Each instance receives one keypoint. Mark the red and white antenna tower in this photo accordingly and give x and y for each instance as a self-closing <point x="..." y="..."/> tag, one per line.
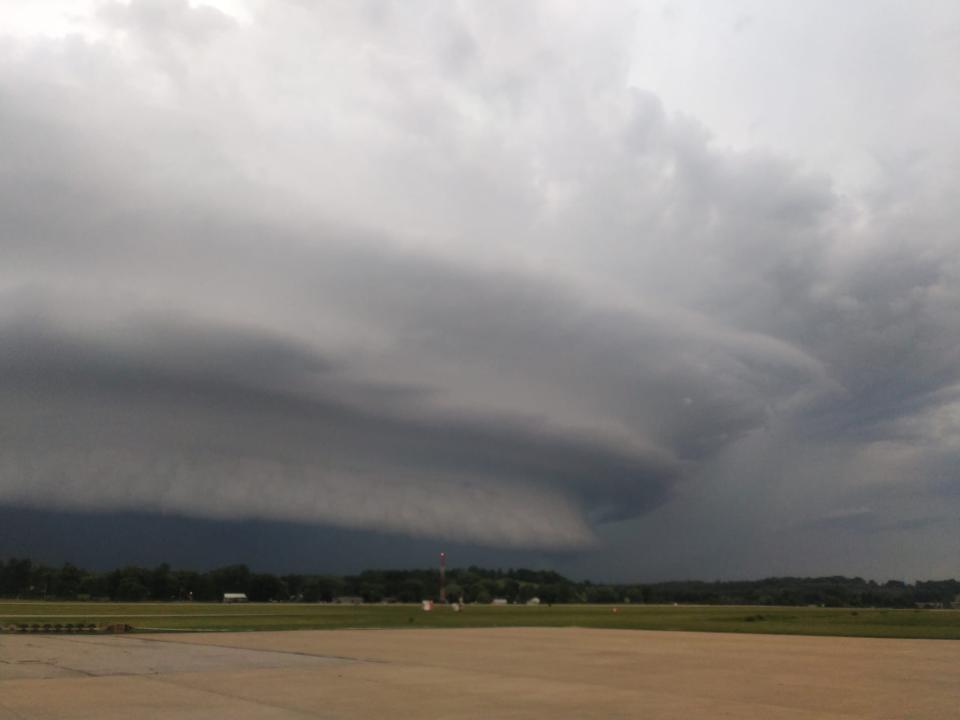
<point x="443" y="577"/>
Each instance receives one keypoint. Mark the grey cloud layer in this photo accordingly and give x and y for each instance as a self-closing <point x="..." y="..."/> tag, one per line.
<point x="214" y="422"/>
<point x="427" y="270"/>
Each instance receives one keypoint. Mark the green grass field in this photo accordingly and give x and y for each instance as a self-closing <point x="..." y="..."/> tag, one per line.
<point x="938" y="624"/>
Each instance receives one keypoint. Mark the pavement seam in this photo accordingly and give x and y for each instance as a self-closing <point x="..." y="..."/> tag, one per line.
<point x="54" y="664"/>
<point x="168" y="680"/>
<point x="513" y="676"/>
<point x="346" y="658"/>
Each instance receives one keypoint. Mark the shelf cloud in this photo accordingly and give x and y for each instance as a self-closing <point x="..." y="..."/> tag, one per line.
<point x="453" y="271"/>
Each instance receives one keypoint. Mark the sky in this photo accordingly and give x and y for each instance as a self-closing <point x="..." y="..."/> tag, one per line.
<point x="640" y="291"/>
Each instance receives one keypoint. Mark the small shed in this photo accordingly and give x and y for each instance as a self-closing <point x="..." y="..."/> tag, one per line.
<point x="499" y="601"/>
<point x="235" y="598"/>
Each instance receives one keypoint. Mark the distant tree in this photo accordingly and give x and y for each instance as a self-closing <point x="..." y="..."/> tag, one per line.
<point x="94" y="585"/>
<point x="232" y="578"/>
<point x="163" y="584"/>
<point x="17" y="577"/>
<point x="130" y="588"/>
<point x="371" y="591"/>
<point x="264" y="587"/>
<point x="187" y="583"/>
<point x="320" y="588"/>
<point x="206" y="588"/>
<point x="25" y="578"/>
<point x="481" y="595"/>
<point x="553" y="593"/>
<point x="603" y="594"/>
<point x="69" y="581"/>
<point x="411" y="590"/>
<point x="454" y="592"/>
<point x="528" y="591"/>
<point x="294" y="584"/>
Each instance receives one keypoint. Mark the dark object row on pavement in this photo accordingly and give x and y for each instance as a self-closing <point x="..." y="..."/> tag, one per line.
<point x="65" y="628"/>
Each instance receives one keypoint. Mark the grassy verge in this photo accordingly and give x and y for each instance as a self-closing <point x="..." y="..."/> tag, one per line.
<point x="938" y="624"/>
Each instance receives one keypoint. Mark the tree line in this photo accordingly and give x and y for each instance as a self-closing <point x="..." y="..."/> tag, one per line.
<point x="25" y="579"/>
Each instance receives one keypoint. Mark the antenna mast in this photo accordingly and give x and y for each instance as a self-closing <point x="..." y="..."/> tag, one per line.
<point x="443" y="577"/>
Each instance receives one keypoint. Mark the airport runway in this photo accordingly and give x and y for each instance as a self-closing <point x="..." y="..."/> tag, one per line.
<point x="476" y="673"/>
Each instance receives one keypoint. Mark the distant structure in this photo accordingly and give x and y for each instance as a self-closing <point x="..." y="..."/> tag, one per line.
<point x="348" y="600"/>
<point x="533" y="601"/>
<point x="443" y="578"/>
<point x="499" y="601"/>
<point x="235" y="598"/>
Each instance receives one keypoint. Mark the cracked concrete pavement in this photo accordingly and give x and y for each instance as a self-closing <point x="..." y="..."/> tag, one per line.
<point x="502" y="672"/>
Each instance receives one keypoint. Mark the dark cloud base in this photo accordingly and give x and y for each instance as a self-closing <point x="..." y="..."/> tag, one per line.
<point x="106" y="540"/>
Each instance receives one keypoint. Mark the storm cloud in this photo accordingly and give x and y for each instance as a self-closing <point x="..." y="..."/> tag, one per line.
<point x="453" y="271"/>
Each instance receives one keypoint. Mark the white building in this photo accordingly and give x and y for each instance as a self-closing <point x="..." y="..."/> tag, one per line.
<point x="235" y="598"/>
